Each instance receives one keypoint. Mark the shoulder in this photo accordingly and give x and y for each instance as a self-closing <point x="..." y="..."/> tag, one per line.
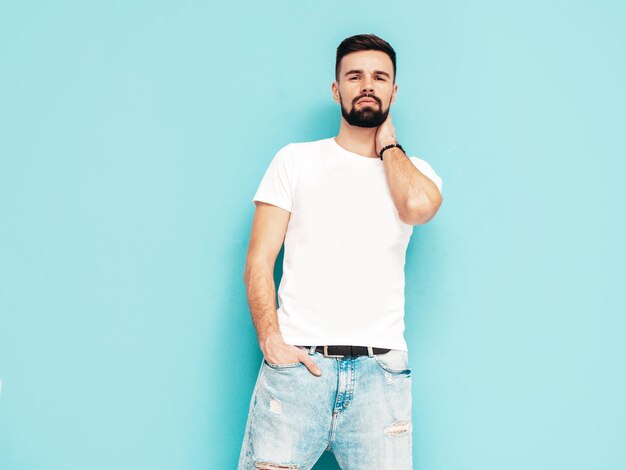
<point x="306" y="146"/>
<point x="299" y="150"/>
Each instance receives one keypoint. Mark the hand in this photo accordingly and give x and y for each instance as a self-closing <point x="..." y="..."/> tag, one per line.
<point x="385" y="134"/>
<point x="276" y="351"/>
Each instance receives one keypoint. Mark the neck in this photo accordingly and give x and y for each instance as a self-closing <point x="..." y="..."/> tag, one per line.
<point x="359" y="140"/>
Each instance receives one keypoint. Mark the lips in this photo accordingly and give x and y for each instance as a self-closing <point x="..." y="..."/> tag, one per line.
<point x="367" y="100"/>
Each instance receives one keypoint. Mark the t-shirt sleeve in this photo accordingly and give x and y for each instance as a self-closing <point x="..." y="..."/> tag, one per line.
<point x="424" y="167"/>
<point x="276" y="186"/>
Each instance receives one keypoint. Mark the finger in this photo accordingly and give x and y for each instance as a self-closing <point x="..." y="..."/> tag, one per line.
<point x="312" y="366"/>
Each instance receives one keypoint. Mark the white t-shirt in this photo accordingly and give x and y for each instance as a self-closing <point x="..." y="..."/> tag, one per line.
<point x="345" y="246"/>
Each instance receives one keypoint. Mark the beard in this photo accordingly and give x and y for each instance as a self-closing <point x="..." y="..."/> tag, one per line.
<point x="365" y="116"/>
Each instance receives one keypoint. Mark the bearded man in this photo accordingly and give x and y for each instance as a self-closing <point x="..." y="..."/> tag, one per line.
<point x="335" y="373"/>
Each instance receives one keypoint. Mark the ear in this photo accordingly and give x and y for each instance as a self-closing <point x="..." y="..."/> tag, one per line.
<point x="335" y="90"/>
<point x="393" y="93"/>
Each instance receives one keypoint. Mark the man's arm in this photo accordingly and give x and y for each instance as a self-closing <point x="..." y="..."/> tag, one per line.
<point x="268" y="233"/>
<point x="415" y="196"/>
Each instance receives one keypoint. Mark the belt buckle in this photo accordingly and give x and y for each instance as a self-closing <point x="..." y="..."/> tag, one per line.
<point x="330" y="355"/>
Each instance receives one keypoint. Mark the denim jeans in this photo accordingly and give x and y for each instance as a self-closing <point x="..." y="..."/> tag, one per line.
<point x="359" y="409"/>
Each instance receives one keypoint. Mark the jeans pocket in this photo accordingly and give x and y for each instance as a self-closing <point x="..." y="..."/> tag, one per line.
<point x="395" y="361"/>
<point x="285" y="366"/>
<point x="282" y="366"/>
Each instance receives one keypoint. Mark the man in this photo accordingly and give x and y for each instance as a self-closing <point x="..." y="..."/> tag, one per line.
<point x="335" y="374"/>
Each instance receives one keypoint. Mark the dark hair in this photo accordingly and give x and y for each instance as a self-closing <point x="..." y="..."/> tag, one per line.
<point x="364" y="42"/>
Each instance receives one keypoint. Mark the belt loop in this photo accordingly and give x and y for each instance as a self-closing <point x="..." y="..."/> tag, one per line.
<point x="370" y="351"/>
<point x="312" y="350"/>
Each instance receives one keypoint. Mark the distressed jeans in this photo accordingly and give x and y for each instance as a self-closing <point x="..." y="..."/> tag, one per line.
<point x="359" y="409"/>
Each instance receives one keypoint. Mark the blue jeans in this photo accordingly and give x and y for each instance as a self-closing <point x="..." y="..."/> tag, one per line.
<point x="359" y="409"/>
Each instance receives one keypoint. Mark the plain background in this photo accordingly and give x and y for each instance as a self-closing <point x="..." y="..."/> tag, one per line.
<point x="133" y="137"/>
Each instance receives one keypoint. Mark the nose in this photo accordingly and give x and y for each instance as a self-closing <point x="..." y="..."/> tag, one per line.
<point x="368" y="88"/>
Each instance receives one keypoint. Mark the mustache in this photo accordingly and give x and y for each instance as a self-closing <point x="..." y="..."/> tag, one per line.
<point x="367" y="96"/>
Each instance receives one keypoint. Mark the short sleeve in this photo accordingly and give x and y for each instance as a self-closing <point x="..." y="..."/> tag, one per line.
<point x="276" y="186"/>
<point x="424" y="167"/>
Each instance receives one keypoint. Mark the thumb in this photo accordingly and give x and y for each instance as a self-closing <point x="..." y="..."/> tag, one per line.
<point x="310" y="364"/>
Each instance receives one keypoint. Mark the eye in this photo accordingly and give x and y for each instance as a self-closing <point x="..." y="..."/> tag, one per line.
<point x="353" y="77"/>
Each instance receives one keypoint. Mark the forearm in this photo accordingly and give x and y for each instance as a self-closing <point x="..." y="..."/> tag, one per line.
<point x="415" y="196"/>
<point x="261" y="293"/>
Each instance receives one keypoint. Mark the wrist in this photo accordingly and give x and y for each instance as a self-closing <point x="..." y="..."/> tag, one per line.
<point x="382" y="144"/>
<point x="270" y="340"/>
<point x="389" y="148"/>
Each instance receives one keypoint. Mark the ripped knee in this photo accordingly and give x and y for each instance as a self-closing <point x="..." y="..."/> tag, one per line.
<point x="398" y="428"/>
<point x="274" y="466"/>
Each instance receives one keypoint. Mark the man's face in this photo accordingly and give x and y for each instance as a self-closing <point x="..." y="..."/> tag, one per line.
<point x="365" y="88"/>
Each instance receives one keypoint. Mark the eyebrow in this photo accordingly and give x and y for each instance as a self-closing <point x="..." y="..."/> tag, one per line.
<point x="379" y="72"/>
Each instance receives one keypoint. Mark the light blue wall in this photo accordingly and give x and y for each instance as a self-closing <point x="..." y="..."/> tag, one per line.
<point x="133" y="137"/>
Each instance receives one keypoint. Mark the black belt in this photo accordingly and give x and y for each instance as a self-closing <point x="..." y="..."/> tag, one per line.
<point x="340" y="351"/>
